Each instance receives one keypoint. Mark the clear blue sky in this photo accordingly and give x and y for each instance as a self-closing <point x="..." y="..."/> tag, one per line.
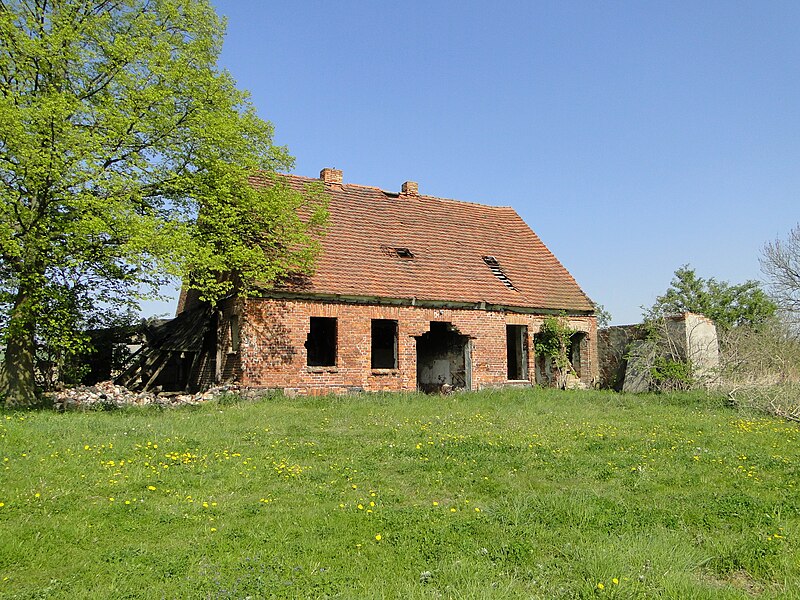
<point x="633" y="137"/>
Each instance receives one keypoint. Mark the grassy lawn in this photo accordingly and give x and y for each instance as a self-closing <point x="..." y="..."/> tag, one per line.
<point x="507" y="494"/>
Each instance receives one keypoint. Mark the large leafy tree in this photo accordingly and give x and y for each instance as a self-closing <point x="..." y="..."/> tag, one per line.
<point x="728" y="305"/>
<point x="124" y="160"/>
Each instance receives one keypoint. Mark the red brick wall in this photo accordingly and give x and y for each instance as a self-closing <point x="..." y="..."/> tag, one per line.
<point x="273" y="334"/>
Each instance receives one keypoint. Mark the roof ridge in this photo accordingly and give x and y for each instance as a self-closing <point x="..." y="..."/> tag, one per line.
<point x="369" y="187"/>
<point x="392" y="193"/>
<point x="456" y="201"/>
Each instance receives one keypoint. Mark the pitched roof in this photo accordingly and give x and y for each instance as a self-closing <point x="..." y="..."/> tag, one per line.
<point x="448" y="239"/>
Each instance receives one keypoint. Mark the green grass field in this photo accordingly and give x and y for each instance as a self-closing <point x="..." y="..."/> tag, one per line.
<point x="507" y="494"/>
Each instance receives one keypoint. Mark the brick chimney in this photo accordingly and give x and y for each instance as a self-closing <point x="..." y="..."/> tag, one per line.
<point x="410" y="188"/>
<point x="331" y="175"/>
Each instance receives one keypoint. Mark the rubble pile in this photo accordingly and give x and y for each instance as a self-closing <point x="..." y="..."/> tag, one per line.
<point x="108" y="395"/>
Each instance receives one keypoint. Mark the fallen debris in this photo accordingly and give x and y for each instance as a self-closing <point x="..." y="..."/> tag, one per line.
<point x="778" y="400"/>
<point x="107" y="395"/>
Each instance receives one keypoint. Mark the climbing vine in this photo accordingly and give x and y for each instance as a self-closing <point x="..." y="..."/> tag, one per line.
<point x="553" y="341"/>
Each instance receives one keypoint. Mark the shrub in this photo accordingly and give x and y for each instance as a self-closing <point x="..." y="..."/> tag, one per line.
<point x="669" y="374"/>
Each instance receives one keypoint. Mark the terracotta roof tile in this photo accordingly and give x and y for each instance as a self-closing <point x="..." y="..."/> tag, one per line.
<point x="448" y="239"/>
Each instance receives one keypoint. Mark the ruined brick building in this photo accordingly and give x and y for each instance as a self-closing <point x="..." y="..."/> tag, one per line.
<point x="410" y="292"/>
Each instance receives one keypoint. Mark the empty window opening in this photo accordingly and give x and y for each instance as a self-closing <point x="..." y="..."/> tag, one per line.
<point x="497" y="271"/>
<point x="384" y="344"/>
<point x="321" y="342"/>
<point x="517" y="352"/>
<point x="404" y="253"/>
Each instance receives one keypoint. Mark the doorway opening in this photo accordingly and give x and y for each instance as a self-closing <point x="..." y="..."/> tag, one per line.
<point x="578" y="348"/>
<point x="443" y="359"/>
<point x="517" y="352"/>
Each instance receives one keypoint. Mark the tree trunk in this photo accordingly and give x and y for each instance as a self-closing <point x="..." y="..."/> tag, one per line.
<point x="17" y="380"/>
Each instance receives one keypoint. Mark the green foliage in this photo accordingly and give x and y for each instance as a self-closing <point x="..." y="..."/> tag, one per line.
<point x="553" y="341"/>
<point x="669" y="374"/>
<point x="228" y="399"/>
<point x="602" y="314"/>
<point x="726" y="304"/>
<point x="671" y="495"/>
<point x="124" y="162"/>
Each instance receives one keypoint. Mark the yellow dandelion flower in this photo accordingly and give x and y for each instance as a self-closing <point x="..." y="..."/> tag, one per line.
<point x="111" y="499"/>
<point x="152" y="488"/>
<point x="2" y="504"/>
<point x="600" y="586"/>
<point x="37" y="495"/>
<point x="360" y="507"/>
<point x="213" y="529"/>
<point x="378" y="538"/>
<point x="435" y="503"/>
<point x="452" y="510"/>
<point x="615" y="581"/>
